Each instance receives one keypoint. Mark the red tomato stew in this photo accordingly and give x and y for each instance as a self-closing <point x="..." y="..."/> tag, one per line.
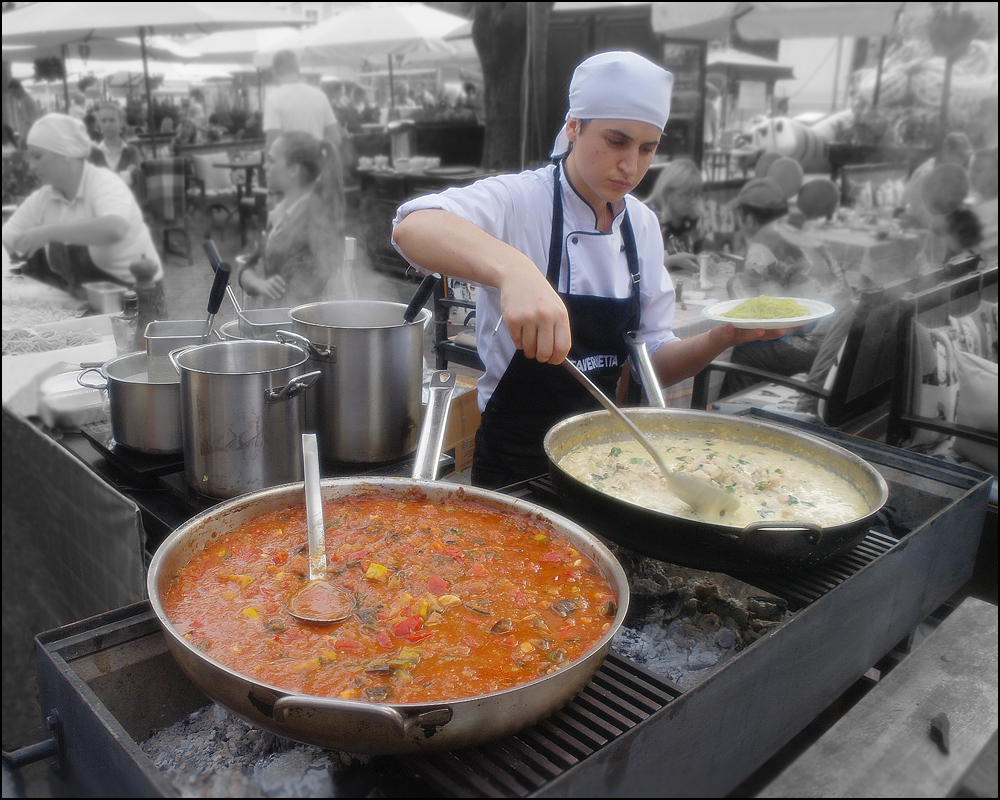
<point x="454" y="600"/>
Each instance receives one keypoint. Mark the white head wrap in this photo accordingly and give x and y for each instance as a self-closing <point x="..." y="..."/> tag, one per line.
<point x="617" y="85"/>
<point x="62" y="134"/>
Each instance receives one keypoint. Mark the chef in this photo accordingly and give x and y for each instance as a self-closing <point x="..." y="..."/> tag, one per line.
<point x="85" y="217"/>
<point x="568" y="262"/>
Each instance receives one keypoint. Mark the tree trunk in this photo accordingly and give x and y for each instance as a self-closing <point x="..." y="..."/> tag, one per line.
<point x="500" y="33"/>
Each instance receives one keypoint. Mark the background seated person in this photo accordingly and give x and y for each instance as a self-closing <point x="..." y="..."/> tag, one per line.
<point x="675" y="199"/>
<point x="983" y="175"/>
<point x="955" y="149"/>
<point x="84" y="220"/>
<point x="119" y="156"/>
<point x="777" y="265"/>
<point x="301" y="258"/>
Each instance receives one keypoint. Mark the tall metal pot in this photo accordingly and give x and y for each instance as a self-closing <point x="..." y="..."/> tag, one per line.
<point x="242" y="412"/>
<point x="366" y="406"/>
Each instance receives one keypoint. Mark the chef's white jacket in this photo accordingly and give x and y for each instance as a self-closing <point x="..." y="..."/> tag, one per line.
<point x="517" y="209"/>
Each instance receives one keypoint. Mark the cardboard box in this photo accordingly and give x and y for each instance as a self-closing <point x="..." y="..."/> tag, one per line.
<point x="463" y="422"/>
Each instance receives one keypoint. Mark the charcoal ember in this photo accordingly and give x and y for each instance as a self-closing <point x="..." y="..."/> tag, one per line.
<point x="213" y="753"/>
<point x="685" y="623"/>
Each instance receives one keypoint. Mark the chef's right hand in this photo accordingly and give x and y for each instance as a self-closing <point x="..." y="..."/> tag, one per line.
<point x="535" y="315"/>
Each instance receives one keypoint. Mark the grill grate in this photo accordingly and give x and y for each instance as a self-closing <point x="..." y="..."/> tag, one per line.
<point x="801" y="589"/>
<point x="620" y="696"/>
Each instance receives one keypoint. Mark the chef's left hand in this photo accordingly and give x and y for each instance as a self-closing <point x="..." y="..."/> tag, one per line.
<point x="740" y="336"/>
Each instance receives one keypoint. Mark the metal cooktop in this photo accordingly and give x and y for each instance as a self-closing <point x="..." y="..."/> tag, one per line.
<point x="111" y="682"/>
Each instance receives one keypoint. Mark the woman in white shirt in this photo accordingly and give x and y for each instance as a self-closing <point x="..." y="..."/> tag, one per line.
<point x="569" y="261"/>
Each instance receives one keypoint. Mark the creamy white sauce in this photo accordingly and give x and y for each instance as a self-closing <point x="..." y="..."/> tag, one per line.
<point x="770" y="484"/>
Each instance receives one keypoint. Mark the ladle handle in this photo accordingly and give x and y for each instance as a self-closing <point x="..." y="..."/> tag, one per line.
<point x="420" y="297"/>
<point x="650" y="383"/>
<point x="314" y="507"/>
<point x="215" y="260"/>
<point x="605" y="401"/>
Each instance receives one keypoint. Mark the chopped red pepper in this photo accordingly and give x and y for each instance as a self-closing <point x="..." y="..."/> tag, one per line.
<point x="419" y="636"/>
<point x="550" y="558"/>
<point x="384" y="640"/>
<point x="408" y="626"/>
<point x="520" y="601"/>
<point x="348" y="645"/>
<point x="437" y="585"/>
<point x="478" y="571"/>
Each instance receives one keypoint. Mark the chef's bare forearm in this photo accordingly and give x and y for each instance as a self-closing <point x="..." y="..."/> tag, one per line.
<point x="535" y="316"/>
<point x="675" y="361"/>
<point x="98" y="231"/>
<point x="443" y="242"/>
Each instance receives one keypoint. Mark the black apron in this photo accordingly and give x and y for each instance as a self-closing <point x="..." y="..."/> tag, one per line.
<point x="531" y="397"/>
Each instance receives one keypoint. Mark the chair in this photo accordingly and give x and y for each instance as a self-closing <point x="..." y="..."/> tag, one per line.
<point x="931" y="308"/>
<point x="164" y="191"/>
<point x="215" y="190"/>
<point x="854" y="392"/>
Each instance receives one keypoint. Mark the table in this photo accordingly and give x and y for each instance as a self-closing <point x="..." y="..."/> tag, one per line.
<point x="862" y="250"/>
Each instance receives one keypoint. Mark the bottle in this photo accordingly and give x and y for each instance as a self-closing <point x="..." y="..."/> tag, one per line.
<point x="152" y="299"/>
<point x="125" y="326"/>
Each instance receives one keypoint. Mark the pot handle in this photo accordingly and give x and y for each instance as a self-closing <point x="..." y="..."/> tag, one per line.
<point x="650" y="383"/>
<point x="810" y="531"/>
<point x="376" y="718"/>
<point x="442" y="387"/>
<point x="319" y="352"/>
<point x="293" y="388"/>
<point x="96" y="370"/>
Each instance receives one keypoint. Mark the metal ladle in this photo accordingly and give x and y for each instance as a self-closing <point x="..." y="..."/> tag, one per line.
<point x="702" y="496"/>
<point x="317" y="601"/>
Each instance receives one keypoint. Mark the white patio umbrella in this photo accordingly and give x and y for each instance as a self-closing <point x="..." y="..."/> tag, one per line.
<point x="774" y="20"/>
<point x="365" y="35"/>
<point x="237" y="47"/>
<point x="69" y="23"/>
<point x="96" y="50"/>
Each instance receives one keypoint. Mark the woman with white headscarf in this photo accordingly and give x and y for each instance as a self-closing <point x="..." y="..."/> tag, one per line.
<point x="84" y="217"/>
<point x="568" y="260"/>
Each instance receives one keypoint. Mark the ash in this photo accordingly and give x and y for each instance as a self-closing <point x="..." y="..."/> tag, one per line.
<point x="684" y="624"/>
<point x="213" y="753"/>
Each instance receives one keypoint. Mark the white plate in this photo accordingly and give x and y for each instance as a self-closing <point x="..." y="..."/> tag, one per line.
<point x="817" y="310"/>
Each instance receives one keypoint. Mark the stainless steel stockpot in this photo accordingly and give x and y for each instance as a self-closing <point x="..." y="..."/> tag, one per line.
<point x="242" y="414"/>
<point x="145" y="410"/>
<point x="367" y="404"/>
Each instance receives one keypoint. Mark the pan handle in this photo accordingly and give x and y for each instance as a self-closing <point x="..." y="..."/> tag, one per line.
<point x="319" y="352"/>
<point x="378" y="720"/>
<point x="810" y="531"/>
<point x="97" y="371"/>
<point x="442" y="387"/>
<point x="640" y="355"/>
<point x="293" y="388"/>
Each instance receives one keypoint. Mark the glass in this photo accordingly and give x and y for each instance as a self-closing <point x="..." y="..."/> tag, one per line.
<point x="125" y="326"/>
